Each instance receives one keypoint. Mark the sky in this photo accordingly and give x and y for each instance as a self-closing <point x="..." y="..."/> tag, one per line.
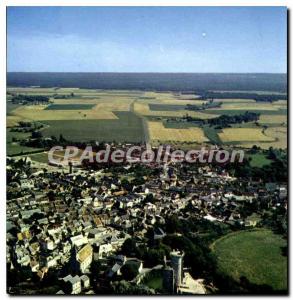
<point x="147" y="39"/>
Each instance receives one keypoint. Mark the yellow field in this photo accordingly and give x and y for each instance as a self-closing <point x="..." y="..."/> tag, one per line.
<point x="159" y="96"/>
<point x="186" y="97"/>
<point x="157" y="131"/>
<point x="273" y="119"/>
<point x="250" y="106"/>
<point x="12" y="121"/>
<point x="243" y="135"/>
<point x="279" y="134"/>
<point x="281" y="102"/>
<point x="38" y="113"/>
<point x="143" y="109"/>
<point x="103" y="109"/>
<point x="180" y="102"/>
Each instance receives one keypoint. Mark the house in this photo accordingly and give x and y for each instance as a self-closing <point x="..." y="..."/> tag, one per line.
<point x="26" y="184"/>
<point x="84" y="257"/>
<point x="85" y="281"/>
<point x="115" y="269"/>
<point x="78" y="240"/>
<point x="104" y="250"/>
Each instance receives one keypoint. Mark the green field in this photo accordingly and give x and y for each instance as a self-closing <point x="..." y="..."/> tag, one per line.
<point x="41" y="157"/>
<point x="154" y="280"/>
<point x="69" y="106"/>
<point x="12" y="135"/>
<point x="259" y="160"/>
<point x="212" y="134"/>
<point x="10" y="107"/>
<point x="166" y="107"/>
<point x="17" y="149"/>
<point x="128" y="127"/>
<point x="12" y="145"/>
<point x="256" y="254"/>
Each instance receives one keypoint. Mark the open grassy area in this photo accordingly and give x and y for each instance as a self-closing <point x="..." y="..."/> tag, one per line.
<point x="14" y="135"/>
<point x="258" y="160"/>
<point x="17" y="149"/>
<point x="155" y="283"/>
<point x="13" y="147"/>
<point x="256" y="254"/>
<point x="41" y="157"/>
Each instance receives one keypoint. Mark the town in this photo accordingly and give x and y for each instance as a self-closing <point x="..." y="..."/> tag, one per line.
<point x="133" y="228"/>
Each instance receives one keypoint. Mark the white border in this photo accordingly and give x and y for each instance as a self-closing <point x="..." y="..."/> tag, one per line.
<point x="5" y="3"/>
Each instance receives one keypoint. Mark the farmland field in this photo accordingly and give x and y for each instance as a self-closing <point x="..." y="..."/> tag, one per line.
<point x="69" y="106"/>
<point x="275" y="119"/>
<point x="256" y="254"/>
<point x="40" y="113"/>
<point x="243" y="135"/>
<point x="247" y="106"/>
<point x="166" y="107"/>
<point x="158" y="132"/>
<point x="144" y="109"/>
<point x="125" y="127"/>
<point x="133" y="116"/>
<point x="279" y="134"/>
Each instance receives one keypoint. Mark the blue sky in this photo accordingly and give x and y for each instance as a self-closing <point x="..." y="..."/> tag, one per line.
<point x="147" y="39"/>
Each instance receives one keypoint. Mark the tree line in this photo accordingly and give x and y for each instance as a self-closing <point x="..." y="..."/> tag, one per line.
<point x="242" y="95"/>
<point x="31" y="99"/>
<point x="226" y="120"/>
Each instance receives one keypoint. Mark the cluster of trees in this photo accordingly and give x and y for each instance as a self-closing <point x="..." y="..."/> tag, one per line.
<point x="151" y="256"/>
<point x="207" y="105"/>
<point x="27" y="127"/>
<point x="277" y="220"/>
<point x="38" y="141"/>
<point x="242" y="95"/>
<point x="277" y="171"/>
<point x="226" y="120"/>
<point x="228" y="285"/>
<point x="29" y="99"/>
<point x="126" y="288"/>
<point x="57" y="96"/>
<point x="198" y="256"/>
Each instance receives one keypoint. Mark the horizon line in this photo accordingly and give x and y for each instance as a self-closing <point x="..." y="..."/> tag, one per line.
<point x="150" y="72"/>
